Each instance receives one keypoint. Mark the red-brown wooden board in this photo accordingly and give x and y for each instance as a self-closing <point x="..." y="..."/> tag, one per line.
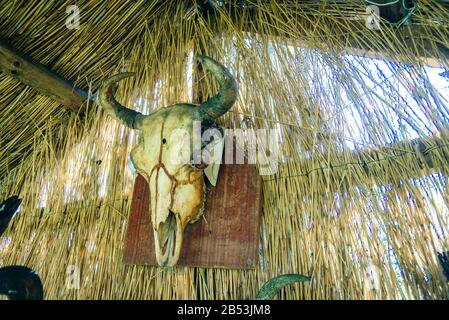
<point x="229" y="239"/>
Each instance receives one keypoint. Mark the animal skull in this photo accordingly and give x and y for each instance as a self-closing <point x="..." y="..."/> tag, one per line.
<point x="177" y="190"/>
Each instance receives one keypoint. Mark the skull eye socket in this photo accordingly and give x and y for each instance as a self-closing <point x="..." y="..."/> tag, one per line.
<point x="164" y="141"/>
<point x="205" y="160"/>
<point x="200" y="166"/>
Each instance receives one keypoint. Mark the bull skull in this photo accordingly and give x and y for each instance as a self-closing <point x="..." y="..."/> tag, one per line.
<point x="177" y="190"/>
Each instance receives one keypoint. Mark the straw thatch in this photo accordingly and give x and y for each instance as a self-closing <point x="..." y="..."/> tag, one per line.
<point x="326" y="213"/>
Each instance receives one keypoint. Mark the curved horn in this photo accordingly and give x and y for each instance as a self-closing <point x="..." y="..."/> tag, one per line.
<point x="227" y="94"/>
<point x="272" y="286"/>
<point x="107" y="101"/>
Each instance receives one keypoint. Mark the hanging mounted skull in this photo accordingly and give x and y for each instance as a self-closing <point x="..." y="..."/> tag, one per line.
<point x="177" y="190"/>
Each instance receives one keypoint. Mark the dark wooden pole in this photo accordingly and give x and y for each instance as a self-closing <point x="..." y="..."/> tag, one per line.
<point x="41" y="78"/>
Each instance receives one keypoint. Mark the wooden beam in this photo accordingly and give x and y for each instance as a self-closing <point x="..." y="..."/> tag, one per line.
<point x="427" y="154"/>
<point x="421" y="150"/>
<point x="41" y="78"/>
<point x="413" y="38"/>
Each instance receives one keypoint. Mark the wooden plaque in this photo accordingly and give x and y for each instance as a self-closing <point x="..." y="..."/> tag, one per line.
<point x="229" y="239"/>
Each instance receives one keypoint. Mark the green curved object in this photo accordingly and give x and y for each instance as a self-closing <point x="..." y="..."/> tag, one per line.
<point x="271" y="288"/>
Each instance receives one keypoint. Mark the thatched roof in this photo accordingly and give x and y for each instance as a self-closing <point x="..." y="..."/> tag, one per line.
<point x="336" y="206"/>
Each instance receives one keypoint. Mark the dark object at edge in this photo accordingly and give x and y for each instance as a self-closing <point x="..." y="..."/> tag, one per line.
<point x="7" y="210"/>
<point x="444" y="260"/>
<point x="20" y="283"/>
<point x="17" y="282"/>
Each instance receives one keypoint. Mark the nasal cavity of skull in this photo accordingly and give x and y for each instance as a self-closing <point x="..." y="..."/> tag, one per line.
<point x="167" y="234"/>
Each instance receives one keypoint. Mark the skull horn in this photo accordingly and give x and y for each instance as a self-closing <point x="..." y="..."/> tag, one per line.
<point x="227" y="94"/>
<point x="107" y="101"/>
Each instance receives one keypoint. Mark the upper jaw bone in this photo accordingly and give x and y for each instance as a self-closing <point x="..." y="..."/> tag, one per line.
<point x="168" y="241"/>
